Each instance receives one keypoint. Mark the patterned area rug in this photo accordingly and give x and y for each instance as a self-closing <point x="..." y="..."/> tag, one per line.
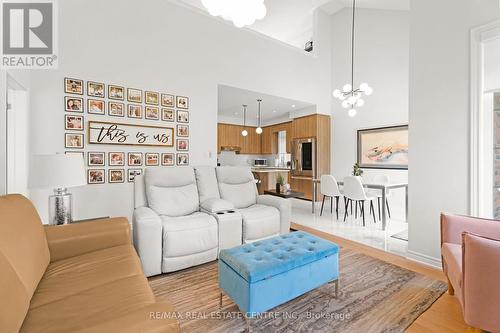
<point x="374" y="296"/>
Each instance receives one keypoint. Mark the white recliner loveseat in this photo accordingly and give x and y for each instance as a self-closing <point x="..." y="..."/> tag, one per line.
<point x="181" y="215"/>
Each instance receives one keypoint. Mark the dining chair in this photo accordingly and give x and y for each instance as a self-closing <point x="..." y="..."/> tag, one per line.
<point x="355" y="192"/>
<point x="329" y="188"/>
<point x="382" y="180"/>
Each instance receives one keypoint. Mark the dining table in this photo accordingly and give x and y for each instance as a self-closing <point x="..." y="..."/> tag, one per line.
<point x="374" y="186"/>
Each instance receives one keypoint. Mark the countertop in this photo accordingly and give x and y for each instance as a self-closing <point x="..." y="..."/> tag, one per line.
<point x="270" y="169"/>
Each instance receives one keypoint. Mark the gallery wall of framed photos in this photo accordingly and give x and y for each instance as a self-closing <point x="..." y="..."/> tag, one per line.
<point x="120" y="130"/>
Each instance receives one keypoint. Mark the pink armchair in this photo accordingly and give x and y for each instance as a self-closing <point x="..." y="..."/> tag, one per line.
<point x="470" y="250"/>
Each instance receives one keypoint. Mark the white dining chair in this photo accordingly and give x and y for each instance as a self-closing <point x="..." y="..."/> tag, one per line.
<point x="329" y="188"/>
<point x="354" y="192"/>
<point x="382" y="180"/>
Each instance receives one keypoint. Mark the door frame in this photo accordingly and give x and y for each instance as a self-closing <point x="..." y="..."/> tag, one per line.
<point x="478" y="37"/>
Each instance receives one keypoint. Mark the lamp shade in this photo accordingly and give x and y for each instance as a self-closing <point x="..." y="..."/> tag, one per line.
<point x="57" y="171"/>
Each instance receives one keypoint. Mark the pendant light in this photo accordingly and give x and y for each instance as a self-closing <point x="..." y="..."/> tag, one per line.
<point x="258" y="130"/>
<point x="349" y="95"/>
<point x="244" y="132"/>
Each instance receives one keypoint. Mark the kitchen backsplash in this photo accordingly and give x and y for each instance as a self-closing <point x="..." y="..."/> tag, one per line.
<point x="232" y="159"/>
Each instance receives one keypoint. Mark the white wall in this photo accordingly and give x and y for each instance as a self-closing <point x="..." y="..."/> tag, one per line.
<point x="163" y="47"/>
<point x="439" y="115"/>
<point x="492" y="65"/>
<point x="382" y="60"/>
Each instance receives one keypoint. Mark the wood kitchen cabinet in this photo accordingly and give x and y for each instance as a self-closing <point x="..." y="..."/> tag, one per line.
<point x="267" y="142"/>
<point x="229" y="135"/>
<point x="270" y="138"/>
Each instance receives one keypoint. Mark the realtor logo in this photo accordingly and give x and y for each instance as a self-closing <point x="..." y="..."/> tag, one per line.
<point x="28" y="34"/>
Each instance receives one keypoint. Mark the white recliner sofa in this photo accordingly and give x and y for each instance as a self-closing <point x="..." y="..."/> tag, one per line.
<point x="184" y="216"/>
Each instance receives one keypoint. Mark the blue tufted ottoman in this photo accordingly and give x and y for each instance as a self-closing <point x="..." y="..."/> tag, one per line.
<point x="262" y="275"/>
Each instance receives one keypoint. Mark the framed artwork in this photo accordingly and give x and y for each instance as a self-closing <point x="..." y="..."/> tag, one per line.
<point x="96" y="106"/>
<point x="95" y="89"/>
<point x="72" y="140"/>
<point x="73" y="86"/>
<point x="95" y="176"/>
<point x="152" y="112"/>
<point x="73" y="122"/>
<point x="95" y="159"/>
<point x="134" y="111"/>
<point x="73" y="104"/>
<point x="116" y="175"/>
<point x="167" y="114"/>
<point x="134" y="159"/>
<point x="134" y="95"/>
<point x="116" y="92"/>
<point x="116" y="109"/>
<point x="152" y="159"/>
<point x="496" y="101"/>
<point x="116" y="158"/>
<point x="183" y="130"/>
<point x="182" y="102"/>
<point x="132" y="173"/>
<point x="114" y="133"/>
<point x="182" y="145"/>
<point x="167" y="159"/>
<point x="168" y="100"/>
<point x="152" y="98"/>
<point x="182" y="116"/>
<point x="182" y="159"/>
<point x="383" y="148"/>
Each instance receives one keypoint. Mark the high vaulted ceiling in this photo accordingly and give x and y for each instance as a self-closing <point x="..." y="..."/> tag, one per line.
<point x="291" y="21"/>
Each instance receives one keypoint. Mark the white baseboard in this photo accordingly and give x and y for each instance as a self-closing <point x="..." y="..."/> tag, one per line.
<point x="424" y="259"/>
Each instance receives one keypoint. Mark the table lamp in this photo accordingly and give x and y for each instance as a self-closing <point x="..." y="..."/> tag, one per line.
<point x="58" y="171"/>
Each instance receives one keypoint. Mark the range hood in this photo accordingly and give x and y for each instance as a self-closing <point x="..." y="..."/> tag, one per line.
<point x="236" y="149"/>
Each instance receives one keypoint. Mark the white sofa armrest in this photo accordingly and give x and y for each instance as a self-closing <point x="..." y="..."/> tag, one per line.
<point x="216" y="205"/>
<point x="283" y="205"/>
<point x="148" y="239"/>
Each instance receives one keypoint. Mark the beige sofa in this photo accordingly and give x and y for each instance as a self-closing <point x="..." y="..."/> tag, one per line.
<point x="75" y="278"/>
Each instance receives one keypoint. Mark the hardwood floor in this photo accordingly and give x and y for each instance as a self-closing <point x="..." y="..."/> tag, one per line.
<point x="445" y="315"/>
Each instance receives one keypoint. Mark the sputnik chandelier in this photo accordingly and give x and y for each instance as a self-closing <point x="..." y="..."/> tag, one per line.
<point x="349" y="95"/>
<point x="241" y="13"/>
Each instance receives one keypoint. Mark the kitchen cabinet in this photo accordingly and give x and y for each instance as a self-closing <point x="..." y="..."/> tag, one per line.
<point x="267" y="142"/>
<point x="229" y="135"/>
<point x="270" y="138"/>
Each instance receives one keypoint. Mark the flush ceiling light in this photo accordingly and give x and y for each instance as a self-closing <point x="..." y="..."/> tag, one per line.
<point x="241" y="13"/>
<point x="349" y="95"/>
<point x="244" y="132"/>
<point x="258" y="130"/>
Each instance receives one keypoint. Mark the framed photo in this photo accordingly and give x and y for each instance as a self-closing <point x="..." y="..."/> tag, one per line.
<point x="95" y="176"/>
<point x="116" y="158"/>
<point x="167" y="114"/>
<point x="134" y="111"/>
<point x="182" y="145"/>
<point x="96" y="106"/>
<point x="73" y="104"/>
<point x="383" y="148"/>
<point x="167" y="100"/>
<point x="95" y="89"/>
<point x="73" y="86"/>
<point x="134" y="95"/>
<point x="72" y="140"/>
<point x="182" y="116"/>
<point x="152" y="159"/>
<point x="167" y="159"/>
<point x="73" y="122"/>
<point x="182" y="159"/>
<point x="116" y="92"/>
<point x="134" y="159"/>
<point x="132" y="173"/>
<point x="152" y="112"/>
<point x="95" y="159"/>
<point x="182" y="102"/>
<point x="116" y="109"/>
<point x="152" y="98"/>
<point x="116" y="175"/>
<point x="183" y="130"/>
<point x="80" y="153"/>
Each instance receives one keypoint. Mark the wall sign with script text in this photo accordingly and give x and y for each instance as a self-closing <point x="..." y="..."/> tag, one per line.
<point x="111" y="133"/>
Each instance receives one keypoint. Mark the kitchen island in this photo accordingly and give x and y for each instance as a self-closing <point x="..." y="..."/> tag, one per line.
<point x="267" y="177"/>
